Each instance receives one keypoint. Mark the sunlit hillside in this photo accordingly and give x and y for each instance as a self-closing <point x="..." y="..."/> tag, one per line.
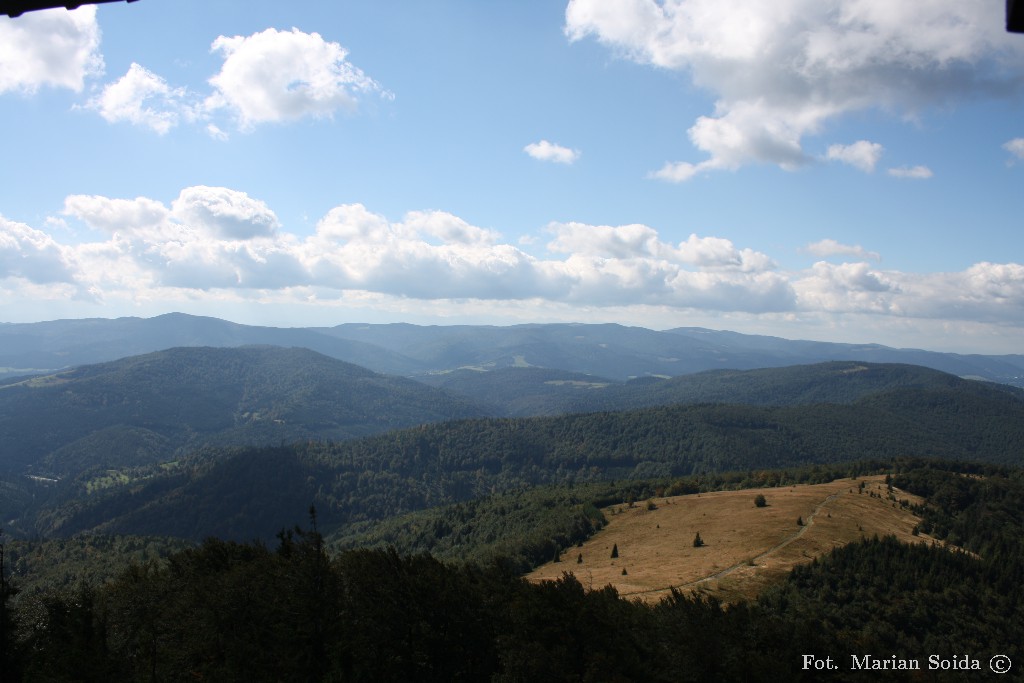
<point x="745" y="547"/>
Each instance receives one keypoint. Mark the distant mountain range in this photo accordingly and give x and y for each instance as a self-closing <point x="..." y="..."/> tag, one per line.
<point x="223" y="434"/>
<point x="526" y="392"/>
<point x="154" y="407"/>
<point x="610" y="351"/>
<point x="237" y="441"/>
<point x="244" y="493"/>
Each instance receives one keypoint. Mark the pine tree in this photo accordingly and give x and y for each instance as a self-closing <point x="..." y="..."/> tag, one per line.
<point x="615" y="550"/>
<point x="6" y="627"/>
<point x="698" y="541"/>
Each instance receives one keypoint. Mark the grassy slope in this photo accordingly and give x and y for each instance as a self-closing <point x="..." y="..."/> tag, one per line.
<point x="746" y="547"/>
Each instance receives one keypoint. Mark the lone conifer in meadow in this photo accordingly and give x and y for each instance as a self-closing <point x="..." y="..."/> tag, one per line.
<point x="615" y="550"/>
<point x="698" y="541"/>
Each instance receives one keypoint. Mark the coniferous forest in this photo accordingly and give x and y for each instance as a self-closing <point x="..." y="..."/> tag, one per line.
<point x="350" y="341"/>
<point x="290" y="610"/>
<point x="187" y="521"/>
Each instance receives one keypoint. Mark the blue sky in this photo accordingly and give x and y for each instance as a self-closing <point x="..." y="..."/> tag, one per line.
<point x="844" y="170"/>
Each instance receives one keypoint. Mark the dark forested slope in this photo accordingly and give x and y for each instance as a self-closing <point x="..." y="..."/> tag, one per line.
<point x="227" y="611"/>
<point x="522" y="392"/>
<point x="245" y="493"/>
<point x="145" y="408"/>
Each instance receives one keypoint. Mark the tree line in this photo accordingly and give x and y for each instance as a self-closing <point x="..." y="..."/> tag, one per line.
<point x="399" y="472"/>
<point x="289" y="610"/>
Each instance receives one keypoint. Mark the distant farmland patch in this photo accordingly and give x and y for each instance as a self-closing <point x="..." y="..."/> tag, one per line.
<point x="745" y="547"/>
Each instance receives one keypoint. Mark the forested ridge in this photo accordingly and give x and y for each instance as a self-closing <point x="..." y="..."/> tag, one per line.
<point x="216" y="591"/>
<point x="290" y="611"/>
<point x="155" y="444"/>
<point x="524" y="392"/>
<point x="244" y="493"/>
<point x="149" y="408"/>
<point x="157" y="407"/>
<point x="530" y="526"/>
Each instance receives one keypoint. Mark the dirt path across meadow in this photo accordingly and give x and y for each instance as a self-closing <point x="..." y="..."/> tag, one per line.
<point x="759" y="559"/>
<point x="746" y="547"/>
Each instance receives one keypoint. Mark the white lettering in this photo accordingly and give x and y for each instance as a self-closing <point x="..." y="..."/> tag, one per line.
<point x="818" y="664"/>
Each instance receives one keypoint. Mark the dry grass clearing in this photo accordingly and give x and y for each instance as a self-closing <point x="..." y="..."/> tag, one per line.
<point x="746" y="547"/>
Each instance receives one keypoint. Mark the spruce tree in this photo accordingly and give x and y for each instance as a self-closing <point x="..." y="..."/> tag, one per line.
<point x="8" y="654"/>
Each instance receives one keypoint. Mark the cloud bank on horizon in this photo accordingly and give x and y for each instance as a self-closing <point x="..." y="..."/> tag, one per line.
<point x="216" y="242"/>
<point x="779" y="73"/>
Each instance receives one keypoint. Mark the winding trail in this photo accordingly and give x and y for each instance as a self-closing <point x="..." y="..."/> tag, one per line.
<point x="729" y="570"/>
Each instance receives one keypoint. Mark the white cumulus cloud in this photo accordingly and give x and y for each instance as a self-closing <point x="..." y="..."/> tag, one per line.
<point x="276" y="76"/>
<point x="641" y="241"/>
<point x="847" y="288"/>
<point x="676" y="171"/>
<point x="780" y="71"/>
<point x="116" y="215"/>
<point x="32" y="255"/>
<point x="354" y="248"/>
<point x="862" y="154"/>
<point x="829" y="247"/>
<point x="270" y="76"/>
<point x="911" y="172"/>
<point x="1015" y="147"/>
<point x="605" y="241"/>
<point x="224" y="213"/>
<point x="58" y="49"/>
<point x="549" y="151"/>
<point x="218" y="239"/>
<point x="448" y="228"/>
<point x="142" y="98"/>
<point x="221" y="244"/>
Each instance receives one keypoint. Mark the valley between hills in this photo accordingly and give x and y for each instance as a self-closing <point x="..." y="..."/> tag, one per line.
<point x="253" y="504"/>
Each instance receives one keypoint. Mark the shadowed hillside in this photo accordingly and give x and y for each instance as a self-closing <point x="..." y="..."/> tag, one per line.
<point x="145" y="408"/>
<point x="290" y="611"/>
<point x="536" y="391"/>
<point x="247" y="493"/>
